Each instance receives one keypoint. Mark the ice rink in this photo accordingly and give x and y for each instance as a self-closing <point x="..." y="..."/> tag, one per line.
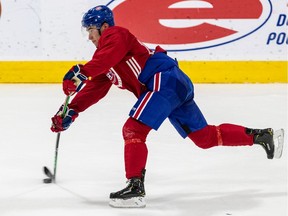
<point x="181" y="179"/>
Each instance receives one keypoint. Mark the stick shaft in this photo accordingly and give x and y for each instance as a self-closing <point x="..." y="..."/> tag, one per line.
<point x="56" y="156"/>
<point x="58" y="139"/>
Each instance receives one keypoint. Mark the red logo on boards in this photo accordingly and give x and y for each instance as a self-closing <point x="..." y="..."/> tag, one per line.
<point x="192" y="24"/>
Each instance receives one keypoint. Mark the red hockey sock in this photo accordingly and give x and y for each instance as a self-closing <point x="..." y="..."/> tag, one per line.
<point x="135" y="150"/>
<point x="235" y="135"/>
<point x="224" y="134"/>
<point x="135" y="159"/>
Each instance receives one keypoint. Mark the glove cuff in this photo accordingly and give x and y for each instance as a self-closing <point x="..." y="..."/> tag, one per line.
<point x="74" y="80"/>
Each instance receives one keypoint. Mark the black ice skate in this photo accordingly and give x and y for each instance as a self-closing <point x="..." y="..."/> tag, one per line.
<point x="132" y="196"/>
<point x="265" y="139"/>
<point x="270" y="141"/>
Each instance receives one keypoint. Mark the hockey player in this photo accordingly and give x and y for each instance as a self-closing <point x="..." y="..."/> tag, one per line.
<point x="162" y="91"/>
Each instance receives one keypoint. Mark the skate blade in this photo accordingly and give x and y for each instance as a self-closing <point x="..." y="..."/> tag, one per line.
<point x="278" y="138"/>
<point x="134" y="202"/>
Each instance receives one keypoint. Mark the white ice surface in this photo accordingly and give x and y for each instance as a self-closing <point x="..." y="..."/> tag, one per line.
<point x="181" y="178"/>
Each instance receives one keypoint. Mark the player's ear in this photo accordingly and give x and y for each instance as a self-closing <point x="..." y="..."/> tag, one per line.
<point x="105" y="26"/>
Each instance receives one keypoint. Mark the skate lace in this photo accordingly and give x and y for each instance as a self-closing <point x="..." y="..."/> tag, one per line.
<point x="129" y="184"/>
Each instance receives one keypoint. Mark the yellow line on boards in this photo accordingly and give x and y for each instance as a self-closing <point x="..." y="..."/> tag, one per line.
<point x="236" y="71"/>
<point x="198" y="71"/>
<point x="34" y="71"/>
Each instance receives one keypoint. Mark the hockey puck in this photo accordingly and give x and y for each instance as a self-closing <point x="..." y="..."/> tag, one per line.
<point x="47" y="180"/>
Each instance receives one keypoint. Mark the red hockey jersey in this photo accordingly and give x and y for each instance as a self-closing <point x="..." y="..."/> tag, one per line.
<point x="118" y="60"/>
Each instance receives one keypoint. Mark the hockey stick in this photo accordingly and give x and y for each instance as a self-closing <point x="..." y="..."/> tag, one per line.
<point x="47" y="172"/>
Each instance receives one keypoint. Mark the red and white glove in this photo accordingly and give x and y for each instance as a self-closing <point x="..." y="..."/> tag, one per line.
<point x="73" y="80"/>
<point x="61" y="122"/>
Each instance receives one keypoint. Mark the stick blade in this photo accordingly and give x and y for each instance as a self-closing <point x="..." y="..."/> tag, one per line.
<point x="47" y="172"/>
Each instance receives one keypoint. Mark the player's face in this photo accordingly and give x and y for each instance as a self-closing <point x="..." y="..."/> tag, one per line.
<point x="94" y="35"/>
